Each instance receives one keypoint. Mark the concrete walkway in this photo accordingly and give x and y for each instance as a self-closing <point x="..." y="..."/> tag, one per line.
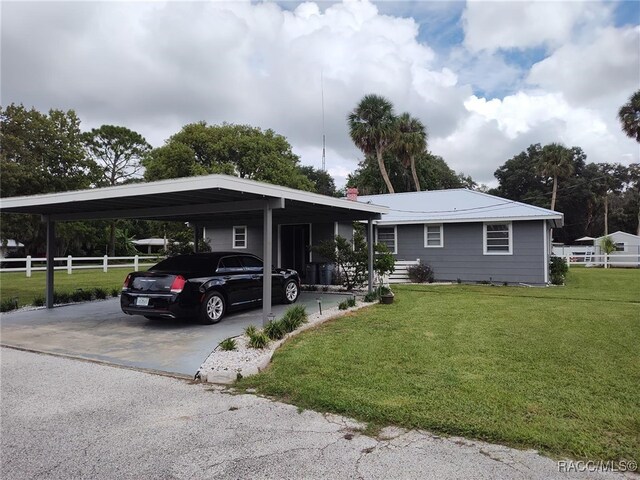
<point x="100" y="331"/>
<point x="64" y="418"/>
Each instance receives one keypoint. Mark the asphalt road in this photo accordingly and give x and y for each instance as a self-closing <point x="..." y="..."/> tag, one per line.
<point x="63" y="418"/>
<point x="100" y="331"/>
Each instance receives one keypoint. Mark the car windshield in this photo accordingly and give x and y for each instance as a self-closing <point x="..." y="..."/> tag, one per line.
<point x="185" y="263"/>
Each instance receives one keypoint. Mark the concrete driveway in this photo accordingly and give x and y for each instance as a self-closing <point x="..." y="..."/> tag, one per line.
<point x="100" y="331"/>
<point x="63" y="418"/>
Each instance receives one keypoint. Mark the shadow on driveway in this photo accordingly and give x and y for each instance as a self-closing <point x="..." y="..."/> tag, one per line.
<point x="100" y="331"/>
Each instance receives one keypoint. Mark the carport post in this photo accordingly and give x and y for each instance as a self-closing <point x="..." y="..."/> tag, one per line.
<point x="267" y="245"/>
<point x="51" y="249"/>
<point x="370" y="247"/>
<point x="196" y="238"/>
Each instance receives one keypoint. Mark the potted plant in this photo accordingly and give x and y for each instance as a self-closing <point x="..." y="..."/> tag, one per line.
<point x="386" y="295"/>
<point x="383" y="265"/>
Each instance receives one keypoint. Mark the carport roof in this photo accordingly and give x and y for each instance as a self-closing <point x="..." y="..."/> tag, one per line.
<point x="192" y="199"/>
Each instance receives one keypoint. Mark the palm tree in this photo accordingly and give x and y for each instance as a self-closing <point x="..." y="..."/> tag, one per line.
<point x="556" y="161"/>
<point x="629" y="116"/>
<point x="372" y="128"/>
<point x="411" y="140"/>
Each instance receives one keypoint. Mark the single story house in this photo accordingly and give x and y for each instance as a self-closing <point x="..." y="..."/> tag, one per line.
<point x="626" y="243"/>
<point x="462" y="234"/>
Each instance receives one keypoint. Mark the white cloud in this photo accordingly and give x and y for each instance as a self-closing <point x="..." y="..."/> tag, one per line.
<point x="157" y="66"/>
<point x="524" y="24"/>
<point x="604" y="65"/>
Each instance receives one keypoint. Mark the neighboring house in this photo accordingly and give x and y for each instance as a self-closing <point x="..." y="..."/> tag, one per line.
<point x="626" y="243"/>
<point x="460" y="233"/>
<point x="151" y="245"/>
<point x="10" y="247"/>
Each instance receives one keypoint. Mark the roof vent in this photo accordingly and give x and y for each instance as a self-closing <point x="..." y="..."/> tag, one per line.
<point x="352" y="194"/>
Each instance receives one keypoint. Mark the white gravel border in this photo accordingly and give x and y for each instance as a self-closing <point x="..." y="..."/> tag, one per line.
<point x="227" y="366"/>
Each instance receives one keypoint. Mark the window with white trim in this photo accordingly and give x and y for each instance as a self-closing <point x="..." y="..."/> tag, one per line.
<point x="240" y="236"/>
<point x="433" y="236"/>
<point x="498" y="238"/>
<point x="388" y="236"/>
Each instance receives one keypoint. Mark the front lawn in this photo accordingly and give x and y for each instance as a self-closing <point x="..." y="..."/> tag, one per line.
<point x="18" y="285"/>
<point x="556" y="369"/>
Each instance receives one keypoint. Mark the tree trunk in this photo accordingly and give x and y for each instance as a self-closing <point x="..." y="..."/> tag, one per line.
<point x="638" y="232"/>
<point x="416" y="181"/>
<point x="112" y="238"/>
<point x="383" y="171"/>
<point x="606" y="214"/>
<point x="553" y="194"/>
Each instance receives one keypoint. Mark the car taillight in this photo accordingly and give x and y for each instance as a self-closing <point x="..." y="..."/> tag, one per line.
<point x="125" y="285"/>
<point x="178" y="284"/>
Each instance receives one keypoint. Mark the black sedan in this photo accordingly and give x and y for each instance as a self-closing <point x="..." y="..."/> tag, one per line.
<point x="204" y="286"/>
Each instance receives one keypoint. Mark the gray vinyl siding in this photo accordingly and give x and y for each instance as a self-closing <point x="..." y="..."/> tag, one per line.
<point x="462" y="256"/>
<point x="345" y="230"/>
<point x="321" y="232"/>
<point x="220" y="237"/>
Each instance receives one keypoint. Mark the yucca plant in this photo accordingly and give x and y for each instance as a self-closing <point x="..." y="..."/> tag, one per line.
<point x="228" y="344"/>
<point x="258" y="340"/>
<point x="250" y="330"/>
<point x="294" y="317"/>
<point x="275" y="330"/>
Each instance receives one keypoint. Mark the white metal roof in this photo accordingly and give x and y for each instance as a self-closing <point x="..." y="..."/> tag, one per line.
<point x="154" y="242"/>
<point x="456" y="205"/>
<point x="187" y="198"/>
<point x="620" y="233"/>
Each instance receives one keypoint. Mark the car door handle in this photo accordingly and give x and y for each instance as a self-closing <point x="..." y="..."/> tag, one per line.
<point x="227" y="277"/>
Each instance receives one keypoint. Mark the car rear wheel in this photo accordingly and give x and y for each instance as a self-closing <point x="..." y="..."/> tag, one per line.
<point x="213" y="308"/>
<point x="291" y="292"/>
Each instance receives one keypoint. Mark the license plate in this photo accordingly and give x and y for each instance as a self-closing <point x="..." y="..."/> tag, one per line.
<point x="142" y="301"/>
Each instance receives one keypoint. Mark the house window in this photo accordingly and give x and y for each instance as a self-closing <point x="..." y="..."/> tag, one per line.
<point x="389" y="237"/>
<point x="619" y="247"/>
<point x="240" y="236"/>
<point x="498" y="239"/>
<point x="433" y="236"/>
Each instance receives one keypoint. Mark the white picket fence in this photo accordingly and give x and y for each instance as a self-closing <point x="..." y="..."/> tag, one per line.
<point x="35" y="264"/>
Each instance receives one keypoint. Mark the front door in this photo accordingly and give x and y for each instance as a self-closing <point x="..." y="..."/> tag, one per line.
<point x="294" y="247"/>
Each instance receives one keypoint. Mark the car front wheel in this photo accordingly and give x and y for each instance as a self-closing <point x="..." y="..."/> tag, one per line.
<point x="213" y="308"/>
<point x="291" y="292"/>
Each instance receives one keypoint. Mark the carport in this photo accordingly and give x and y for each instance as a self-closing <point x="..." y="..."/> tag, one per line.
<point x="195" y="200"/>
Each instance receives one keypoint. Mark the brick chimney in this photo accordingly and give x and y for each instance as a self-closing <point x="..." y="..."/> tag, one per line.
<point x="352" y="194"/>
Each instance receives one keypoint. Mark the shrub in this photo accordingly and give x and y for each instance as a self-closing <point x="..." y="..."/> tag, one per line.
<point x="258" y="340"/>
<point x="61" y="297"/>
<point x="100" y="293"/>
<point x="250" y="330"/>
<point x="372" y="296"/>
<point x="228" y="344"/>
<point x="115" y="292"/>
<point x="343" y="305"/>
<point x="420" y="273"/>
<point x="39" y="301"/>
<point x="275" y="330"/>
<point x="294" y="317"/>
<point x="558" y="270"/>
<point x="9" y="304"/>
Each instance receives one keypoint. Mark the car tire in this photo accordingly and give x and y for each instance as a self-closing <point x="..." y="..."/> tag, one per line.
<point x="291" y="292"/>
<point x="213" y="308"/>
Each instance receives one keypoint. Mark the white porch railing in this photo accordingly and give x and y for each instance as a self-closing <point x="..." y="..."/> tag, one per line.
<point x="35" y="264"/>
<point x="401" y="272"/>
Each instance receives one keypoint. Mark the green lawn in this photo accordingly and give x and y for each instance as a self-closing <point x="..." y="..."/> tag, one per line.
<point x="556" y="369"/>
<point x="26" y="289"/>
